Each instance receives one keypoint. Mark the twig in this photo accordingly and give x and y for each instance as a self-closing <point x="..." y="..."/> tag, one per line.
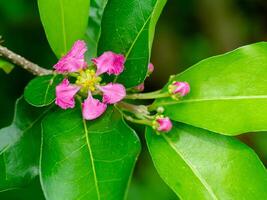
<point x="24" y="63"/>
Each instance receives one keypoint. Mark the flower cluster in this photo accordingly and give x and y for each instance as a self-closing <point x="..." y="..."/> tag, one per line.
<point x="88" y="81"/>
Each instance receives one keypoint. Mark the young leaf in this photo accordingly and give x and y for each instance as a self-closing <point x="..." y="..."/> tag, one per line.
<point x="41" y="90"/>
<point x="93" y="31"/>
<point x="20" y="147"/>
<point x="198" y="164"/>
<point x="64" y="22"/>
<point x="228" y="92"/>
<point x="6" y="66"/>
<point x="87" y="160"/>
<point x="127" y="29"/>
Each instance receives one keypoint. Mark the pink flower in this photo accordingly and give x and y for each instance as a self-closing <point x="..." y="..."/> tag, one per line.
<point x="92" y="108"/>
<point x="140" y="87"/>
<point x="74" y="60"/>
<point x="110" y="63"/>
<point x="65" y="94"/>
<point x="113" y="92"/>
<point x="164" y="124"/>
<point x="150" y="69"/>
<point x="181" y="88"/>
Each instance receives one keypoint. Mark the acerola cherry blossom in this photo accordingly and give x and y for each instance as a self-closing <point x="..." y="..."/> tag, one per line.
<point x="181" y="88"/>
<point x="65" y="94"/>
<point x="74" y="60"/>
<point x="88" y="81"/>
<point x="113" y="92"/>
<point x="163" y="124"/>
<point x="110" y="63"/>
<point x="92" y="108"/>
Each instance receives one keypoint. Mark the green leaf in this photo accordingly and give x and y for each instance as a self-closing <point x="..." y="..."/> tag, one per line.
<point x="64" y="22"/>
<point x="6" y="66"/>
<point x="41" y="90"/>
<point x="228" y="92"/>
<point x="127" y="28"/>
<point x="87" y="160"/>
<point x="20" y="147"/>
<point x="198" y="164"/>
<point x="33" y="191"/>
<point x="93" y="31"/>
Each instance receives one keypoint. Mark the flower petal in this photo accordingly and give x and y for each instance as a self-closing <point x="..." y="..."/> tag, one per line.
<point x="65" y="94"/>
<point x="110" y="63"/>
<point x="74" y="60"/>
<point x="113" y="92"/>
<point x="92" y="108"/>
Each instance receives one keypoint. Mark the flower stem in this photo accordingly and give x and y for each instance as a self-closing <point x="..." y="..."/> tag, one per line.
<point x="24" y="63"/>
<point x="150" y="95"/>
<point x="140" y="109"/>
<point x="138" y="121"/>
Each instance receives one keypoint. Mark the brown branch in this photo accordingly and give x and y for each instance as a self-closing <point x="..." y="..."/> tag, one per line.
<point x="22" y="62"/>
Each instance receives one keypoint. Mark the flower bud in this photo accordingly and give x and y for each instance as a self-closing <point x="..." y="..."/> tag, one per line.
<point x="139" y="88"/>
<point x="162" y="124"/>
<point x="150" y="69"/>
<point x="180" y="88"/>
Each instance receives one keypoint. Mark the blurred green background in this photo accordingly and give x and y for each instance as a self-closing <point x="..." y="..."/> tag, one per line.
<point x="188" y="31"/>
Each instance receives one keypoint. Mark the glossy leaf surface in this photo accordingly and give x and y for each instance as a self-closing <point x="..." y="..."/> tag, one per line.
<point x="6" y="66"/>
<point x="127" y="29"/>
<point x="93" y="31"/>
<point x="64" y="22"/>
<point x="228" y="92"/>
<point x="198" y="164"/>
<point x="41" y="91"/>
<point x="20" y="147"/>
<point x="87" y="160"/>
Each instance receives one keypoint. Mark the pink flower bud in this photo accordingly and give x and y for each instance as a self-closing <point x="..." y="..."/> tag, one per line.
<point x="164" y="124"/>
<point x="65" y="94"/>
<point x="92" y="108"/>
<point x="74" y="60"/>
<point x="181" y="88"/>
<point x="140" y="87"/>
<point x="150" y="69"/>
<point x="113" y="92"/>
<point x="110" y="63"/>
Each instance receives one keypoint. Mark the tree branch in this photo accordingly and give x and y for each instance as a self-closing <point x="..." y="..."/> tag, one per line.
<point x="24" y="63"/>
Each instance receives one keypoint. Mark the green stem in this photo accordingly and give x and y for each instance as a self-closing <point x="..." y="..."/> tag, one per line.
<point x="138" y="121"/>
<point x="150" y="95"/>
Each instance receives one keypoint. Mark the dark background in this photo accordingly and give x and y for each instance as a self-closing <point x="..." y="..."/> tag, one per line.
<point x="188" y="31"/>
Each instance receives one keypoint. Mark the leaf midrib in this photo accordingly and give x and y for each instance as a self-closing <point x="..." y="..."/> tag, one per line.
<point x="63" y="26"/>
<point x="91" y="158"/>
<point x="138" y="34"/>
<point x="191" y="166"/>
<point x="50" y="83"/>
<point x="229" y="98"/>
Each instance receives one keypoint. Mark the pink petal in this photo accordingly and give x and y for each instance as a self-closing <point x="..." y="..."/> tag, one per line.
<point x="74" y="60"/>
<point x="113" y="92"/>
<point x="181" y="88"/>
<point x="165" y="124"/>
<point x="92" y="108"/>
<point x="65" y="94"/>
<point x="110" y="63"/>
